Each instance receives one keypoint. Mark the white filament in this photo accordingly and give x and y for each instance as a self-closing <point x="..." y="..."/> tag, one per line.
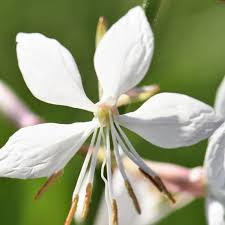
<point x="94" y="158"/>
<point x="108" y="164"/>
<point x="135" y="158"/>
<point x="117" y="154"/>
<point x="109" y="206"/>
<point x="85" y="164"/>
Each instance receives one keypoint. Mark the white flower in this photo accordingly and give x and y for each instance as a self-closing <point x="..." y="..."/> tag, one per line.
<point x="215" y="166"/>
<point x="220" y="100"/>
<point x="121" y="61"/>
<point x="215" y="173"/>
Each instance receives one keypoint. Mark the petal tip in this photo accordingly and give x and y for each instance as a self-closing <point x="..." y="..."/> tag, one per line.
<point x="20" y="36"/>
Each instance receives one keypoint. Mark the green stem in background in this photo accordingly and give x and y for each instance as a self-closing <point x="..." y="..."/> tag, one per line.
<point x="155" y="10"/>
<point x="100" y="31"/>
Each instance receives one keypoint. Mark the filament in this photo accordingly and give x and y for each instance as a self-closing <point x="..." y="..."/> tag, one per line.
<point x="85" y="164"/>
<point x="123" y="173"/>
<point x="108" y="164"/>
<point x="109" y="207"/>
<point x="94" y="158"/>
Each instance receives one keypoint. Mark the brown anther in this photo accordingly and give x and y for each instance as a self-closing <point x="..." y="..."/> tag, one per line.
<point x="87" y="201"/>
<point x="114" y="212"/>
<point x="165" y="190"/>
<point x="133" y="196"/>
<point x="46" y="185"/>
<point x="151" y="179"/>
<point x="159" y="185"/>
<point x="72" y="211"/>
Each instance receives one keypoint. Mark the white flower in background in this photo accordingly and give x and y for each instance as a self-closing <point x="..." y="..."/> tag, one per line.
<point x="13" y="108"/>
<point x="215" y="172"/>
<point x="121" y="61"/>
<point x="220" y="100"/>
<point x="215" y="166"/>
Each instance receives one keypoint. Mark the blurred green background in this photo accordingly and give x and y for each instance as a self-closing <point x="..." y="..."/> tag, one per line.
<point x="189" y="58"/>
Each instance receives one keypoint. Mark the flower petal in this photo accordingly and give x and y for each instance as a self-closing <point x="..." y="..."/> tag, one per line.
<point x="41" y="150"/>
<point x="215" y="162"/>
<point x="124" y="54"/>
<point x="172" y="120"/>
<point x="215" y="212"/>
<point x="50" y="71"/>
<point x="220" y="100"/>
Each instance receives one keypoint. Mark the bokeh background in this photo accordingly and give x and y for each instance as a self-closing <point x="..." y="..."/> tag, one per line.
<point x="189" y="58"/>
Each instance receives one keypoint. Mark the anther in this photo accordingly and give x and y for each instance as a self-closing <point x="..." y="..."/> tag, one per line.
<point x="114" y="212"/>
<point x="159" y="185"/>
<point x="87" y="201"/>
<point x="72" y="211"/>
<point x="165" y="190"/>
<point x="46" y="185"/>
<point x="133" y="196"/>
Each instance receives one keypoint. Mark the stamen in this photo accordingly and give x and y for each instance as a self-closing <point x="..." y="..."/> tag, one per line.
<point x="47" y="184"/>
<point x="91" y="177"/>
<point x="108" y="164"/>
<point x="85" y="164"/>
<point x="72" y="211"/>
<point x="135" y="158"/>
<point x="114" y="212"/>
<point x="94" y="158"/>
<point x="132" y="149"/>
<point x="87" y="201"/>
<point x="140" y="162"/>
<point x="106" y="192"/>
<point x="80" y="179"/>
<point x="123" y="173"/>
<point x="133" y="196"/>
<point x="160" y="185"/>
<point x="152" y="179"/>
<point x="165" y="190"/>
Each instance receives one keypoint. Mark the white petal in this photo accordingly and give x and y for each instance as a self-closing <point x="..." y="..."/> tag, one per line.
<point x="50" y="71"/>
<point x="172" y="120"/>
<point x="124" y="54"/>
<point x="220" y="100"/>
<point x="215" y="163"/>
<point x="215" y="212"/>
<point x="152" y="203"/>
<point x="41" y="150"/>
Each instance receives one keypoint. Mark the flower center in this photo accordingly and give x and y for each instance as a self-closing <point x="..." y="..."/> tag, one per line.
<point x="103" y="113"/>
